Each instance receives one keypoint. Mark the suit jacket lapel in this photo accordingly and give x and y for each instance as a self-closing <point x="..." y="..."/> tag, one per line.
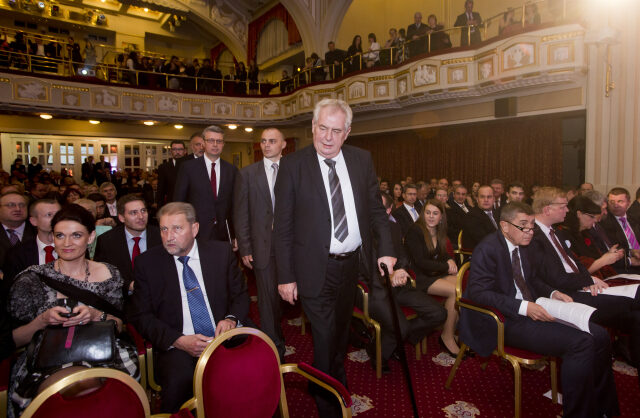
<point x="205" y="176"/>
<point x="172" y="284"/>
<point x="354" y="177"/>
<point x="316" y="177"/>
<point x="209" y="273"/>
<point x="123" y="248"/>
<point x="263" y="182"/>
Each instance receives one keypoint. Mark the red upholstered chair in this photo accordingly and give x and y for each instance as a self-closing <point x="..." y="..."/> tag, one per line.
<point x="246" y="380"/>
<point x="514" y="356"/>
<point x="120" y="396"/>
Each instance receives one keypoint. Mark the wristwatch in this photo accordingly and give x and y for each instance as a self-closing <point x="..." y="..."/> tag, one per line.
<point x="103" y="317"/>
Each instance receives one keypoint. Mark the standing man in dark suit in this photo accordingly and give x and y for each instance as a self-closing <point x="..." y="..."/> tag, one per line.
<point x="168" y="173"/>
<point x="562" y="270"/>
<point x="504" y="274"/>
<point x="186" y="293"/>
<point x="13" y="214"/>
<point x="88" y="170"/>
<point x="481" y="220"/>
<point x="33" y="251"/>
<point x="124" y="243"/>
<point x="253" y="203"/>
<point x="407" y="214"/>
<point x="416" y="36"/>
<point x="470" y="20"/>
<point x="327" y="206"/>
<point x="207" y="183"/>
<point x="102" y="171"/>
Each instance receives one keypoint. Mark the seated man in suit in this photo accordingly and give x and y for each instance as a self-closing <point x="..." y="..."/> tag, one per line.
<point x="207" y="183"/>
<point x="15" y="229"/>
<point x="430" y="313"/>
<point x="481" y="220"/>
<point x="499" y="199"/>
<point x="456" y="213"/>
<point x="623" y="229"/>
<point x="121" y="245"/>
<point x="515" y="192"/>
<point x="186" y="293"/>
<point x="108" y="190"/>
<point x="423" y="192"/>
<point x="505" y="275"/>
<point x="561" y="270"/>
<point x="407" y="214"/>
<point x="37" y="250"/>
<point x="633" y="212"/>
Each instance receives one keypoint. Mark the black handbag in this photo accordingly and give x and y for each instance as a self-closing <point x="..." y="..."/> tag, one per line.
<point x="93" y="343"/>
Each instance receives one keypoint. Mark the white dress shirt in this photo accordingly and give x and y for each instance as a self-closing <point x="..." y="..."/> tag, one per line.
<point x="353" y="239"/>
<point x="463" y="207"/>
<point x="546" y="230"/>
<point x="194" y="263"/>
<point x="268" y="164"/>
<point x="208" y="163"/>
<point x="524" y="304"/>
<point x="41" y="254"/>
<point x="113" y="209"/>
<point x="20" y="230"/>
<point x="130" y="242"/>
<point x="412" y="211"/>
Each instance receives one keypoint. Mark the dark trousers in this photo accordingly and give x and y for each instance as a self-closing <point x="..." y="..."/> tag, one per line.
<point x="269" y="304"/>
<point x="588" y="388"/>
<point x="430" y="315"/>
<point x="175" y="374"/>
<point x="330" y="316"/>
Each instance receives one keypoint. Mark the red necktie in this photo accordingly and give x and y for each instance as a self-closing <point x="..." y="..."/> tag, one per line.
<point x="214" y="189"/>
<point x="48" y="254"/>
<point x="563" y="253"/>
<point x="136" y="250"/>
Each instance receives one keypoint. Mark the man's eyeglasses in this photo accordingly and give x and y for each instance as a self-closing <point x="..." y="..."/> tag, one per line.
<point x="12" y="205"/>
<point x="214" y="141"/>
<point x="524" y="229"/>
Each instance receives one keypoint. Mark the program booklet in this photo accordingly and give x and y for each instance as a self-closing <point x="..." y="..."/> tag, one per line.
<point x="573" y="314"/>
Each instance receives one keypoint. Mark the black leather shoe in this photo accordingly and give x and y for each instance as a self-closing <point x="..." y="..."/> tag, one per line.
<point x="445" y="348"/>
<point x="396" y="354"/>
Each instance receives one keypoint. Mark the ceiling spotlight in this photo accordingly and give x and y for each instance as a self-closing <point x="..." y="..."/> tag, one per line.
<point x="46" y="116"/>
<point x="41" y="5"/>
<point x="232" y="126"/>
<point x="248" y="129"/>
<point x="178" y="126"/>
<point x="145" y="10"/>
<point x="149" y="122"/>
<point x="94" y="122"/>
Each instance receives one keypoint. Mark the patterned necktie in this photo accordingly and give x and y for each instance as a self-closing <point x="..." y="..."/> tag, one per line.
<point x="136" y="250"/>
<point x="197" y="306"/>
<point x="274" y="175"/>
<point x="517" y="276"/>
<point x="214" y="187"/>
<point x="464" y="208"/>
<point x="13" y="237"/>
<point x="414" y="214"/>
<point x="633" y="242"/>
<point x="563" y="253"/>
<point x="340" y="227"/>
<point x="48" y="254"/>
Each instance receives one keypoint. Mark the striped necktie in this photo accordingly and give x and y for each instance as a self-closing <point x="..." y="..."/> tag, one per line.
<point x="340" y="227"/>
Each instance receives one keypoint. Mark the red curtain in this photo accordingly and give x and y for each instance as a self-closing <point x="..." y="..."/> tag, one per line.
<point x="528" y="149"/>
<point x="216" y="51"/>
<point x="276" y="12"/>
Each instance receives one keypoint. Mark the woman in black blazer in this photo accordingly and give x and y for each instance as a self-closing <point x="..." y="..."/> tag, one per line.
<point x="426" y="243"/>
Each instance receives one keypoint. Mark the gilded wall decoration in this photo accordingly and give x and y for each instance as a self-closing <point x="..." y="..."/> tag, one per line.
<point x="357" y="90"/>
<point x="425" y="75"/>
<point x="168" y="103"/>
<point x="270" y="108"/>
<point x="518" y="56"/>
<point x="104" y="97"/>
<point x="457" y="74"/>
<point x="31" y="90"/>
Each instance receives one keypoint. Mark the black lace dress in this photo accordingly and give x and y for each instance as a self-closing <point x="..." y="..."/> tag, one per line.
<point x="29" y="298"/>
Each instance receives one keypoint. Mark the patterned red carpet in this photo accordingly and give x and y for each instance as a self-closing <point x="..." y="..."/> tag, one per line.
<point x="474" y="392"/>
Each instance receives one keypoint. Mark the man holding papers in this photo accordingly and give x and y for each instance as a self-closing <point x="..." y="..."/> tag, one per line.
<point x="561" y="270"/>
<point x="504" y="275"/>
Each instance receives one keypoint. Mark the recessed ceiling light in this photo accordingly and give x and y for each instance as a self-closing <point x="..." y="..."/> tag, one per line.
<point x="178" y="126"/>
<point x="232" y="126"/>
<point x="145" y="9"/>
<point x="149" y="122"/>
<point x="248" y="129"/>
<point x="46" y="116"/>
<point x="94" y="122"/>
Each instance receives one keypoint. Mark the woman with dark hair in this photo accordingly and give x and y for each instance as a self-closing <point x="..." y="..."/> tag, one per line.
<point x="426" y="243"/>
<point x="71" y="291"/>
<point x="354" y="54"/>
<point x="396" y="193"/>
<point x="437" y="38"/>
<point x="71" y="194"/>
<point x="583" y="214"/>
<point x="252" y="75"/>
<point x="241" y="79"/>
<point x="372" y="57"/>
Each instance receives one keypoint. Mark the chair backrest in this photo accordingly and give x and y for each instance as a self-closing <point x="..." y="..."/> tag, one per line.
<point x="120" y="396"/>
<point x="460" y="240"/>
<point x="239" y="379"/>
<point x="461" y="280"/>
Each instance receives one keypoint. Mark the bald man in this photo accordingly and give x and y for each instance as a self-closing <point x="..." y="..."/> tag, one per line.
<point x="253" y="220"/>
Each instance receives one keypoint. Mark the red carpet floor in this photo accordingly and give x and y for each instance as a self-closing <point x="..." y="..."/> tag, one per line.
<point x="474" y="392"/>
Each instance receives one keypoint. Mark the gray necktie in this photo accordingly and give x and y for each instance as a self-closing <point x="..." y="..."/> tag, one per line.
<point x="13" y="237"/>
<point x="340" y="228"/>
<point x="490" y="215"/>
<point x="274" y="175"/>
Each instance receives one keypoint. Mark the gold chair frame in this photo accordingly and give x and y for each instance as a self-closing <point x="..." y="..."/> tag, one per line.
<point x="459" y="251"/>
<point x="96" y="372"/>
<point x="515" y="361"/>
<point x="196" y="403"/>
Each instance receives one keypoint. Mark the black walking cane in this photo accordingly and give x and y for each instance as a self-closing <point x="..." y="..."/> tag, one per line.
<point x="399" y="341"/>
